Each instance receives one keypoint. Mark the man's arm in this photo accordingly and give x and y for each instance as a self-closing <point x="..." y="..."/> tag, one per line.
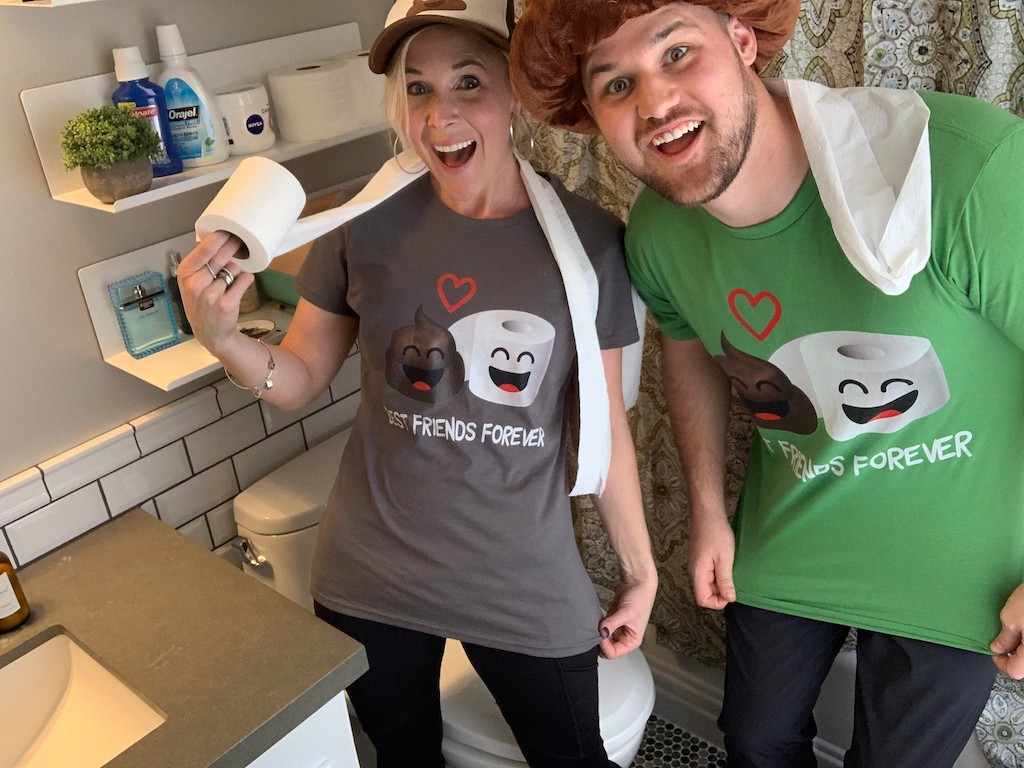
<point x="698" y="395"/>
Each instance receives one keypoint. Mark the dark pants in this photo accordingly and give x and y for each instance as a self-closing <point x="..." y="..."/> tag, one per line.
<point x="551" y="705"/>
<point x="915" y="703"/>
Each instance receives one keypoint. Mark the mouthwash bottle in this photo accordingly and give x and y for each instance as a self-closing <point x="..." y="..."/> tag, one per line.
<point x="197" y="131"/>
<point x="136" y="93"/>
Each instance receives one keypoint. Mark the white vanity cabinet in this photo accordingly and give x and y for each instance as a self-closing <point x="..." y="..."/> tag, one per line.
<point x="323" y="740"/>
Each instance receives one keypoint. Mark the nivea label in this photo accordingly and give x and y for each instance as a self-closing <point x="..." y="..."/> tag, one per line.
<point x="254" y="124"/>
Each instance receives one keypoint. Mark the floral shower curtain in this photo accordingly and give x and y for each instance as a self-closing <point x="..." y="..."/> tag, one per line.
<point x="974" y="48"/>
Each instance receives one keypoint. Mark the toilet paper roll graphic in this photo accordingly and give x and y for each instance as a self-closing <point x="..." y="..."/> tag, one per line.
<point x="262" y="200"/>
<point x="507" y="354"/>
<point x="865" y="382"/>
<point x="313" y="100"/>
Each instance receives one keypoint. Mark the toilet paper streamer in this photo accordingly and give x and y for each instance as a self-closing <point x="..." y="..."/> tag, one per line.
<point x="314" y="101"/>
<point x="261" y="203"/>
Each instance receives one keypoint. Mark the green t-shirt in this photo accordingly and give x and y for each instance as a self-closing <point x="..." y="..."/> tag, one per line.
<point x="885" y="488"/>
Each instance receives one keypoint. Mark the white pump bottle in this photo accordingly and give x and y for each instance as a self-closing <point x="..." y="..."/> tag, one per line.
<point x="197" y="130"/>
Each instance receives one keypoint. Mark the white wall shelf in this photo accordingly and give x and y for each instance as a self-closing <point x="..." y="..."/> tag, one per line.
<point x="169" y="368"/>
<point x="48" y="108"/>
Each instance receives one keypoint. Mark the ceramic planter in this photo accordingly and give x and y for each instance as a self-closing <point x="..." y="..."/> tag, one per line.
<point x="122" y="179"/>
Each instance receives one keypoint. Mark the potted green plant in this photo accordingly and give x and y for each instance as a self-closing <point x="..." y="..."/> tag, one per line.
<point x="112" y="147"/>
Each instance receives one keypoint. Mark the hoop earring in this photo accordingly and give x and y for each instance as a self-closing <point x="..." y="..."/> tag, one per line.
<point x="395" y="153"/>
<point x="526" y="130"/>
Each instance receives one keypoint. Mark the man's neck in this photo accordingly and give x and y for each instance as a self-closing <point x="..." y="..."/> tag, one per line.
<point x="775" y="167"/>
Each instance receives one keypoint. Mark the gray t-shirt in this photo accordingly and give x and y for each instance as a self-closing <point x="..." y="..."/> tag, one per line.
<point x="450" y="512"/>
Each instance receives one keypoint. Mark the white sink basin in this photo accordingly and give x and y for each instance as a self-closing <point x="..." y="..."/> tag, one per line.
<point x="61" y="707"/>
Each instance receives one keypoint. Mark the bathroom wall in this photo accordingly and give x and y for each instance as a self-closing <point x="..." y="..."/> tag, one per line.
<point x="183" y="463"/>
<point x="57" y="392"/>
<point x="60" y="400"/>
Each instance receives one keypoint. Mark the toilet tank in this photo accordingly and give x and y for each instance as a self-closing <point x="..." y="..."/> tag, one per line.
<point x="277" y="518"/>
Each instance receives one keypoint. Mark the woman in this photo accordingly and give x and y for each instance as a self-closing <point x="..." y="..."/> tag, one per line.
<point x="449" y="517"/>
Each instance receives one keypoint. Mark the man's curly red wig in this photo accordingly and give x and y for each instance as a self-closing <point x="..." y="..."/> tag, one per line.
<point x="553" y="36"/>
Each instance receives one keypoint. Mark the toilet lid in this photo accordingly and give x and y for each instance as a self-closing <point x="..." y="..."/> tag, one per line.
<point x="470" y="715"/>
<point x="293" y="496"/>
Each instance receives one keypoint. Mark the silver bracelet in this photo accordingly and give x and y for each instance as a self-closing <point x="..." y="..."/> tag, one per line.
<point x="257" y="389"/>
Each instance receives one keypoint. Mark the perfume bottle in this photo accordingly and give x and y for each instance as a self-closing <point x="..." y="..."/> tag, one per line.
<point x="144" y="313"/>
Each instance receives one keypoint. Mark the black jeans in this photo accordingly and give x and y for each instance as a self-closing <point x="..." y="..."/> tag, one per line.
<point x="915" y="703"/>
<point x="551" y="705"/>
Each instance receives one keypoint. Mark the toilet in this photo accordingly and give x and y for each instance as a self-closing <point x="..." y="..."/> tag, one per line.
<point x="277" y="521"/>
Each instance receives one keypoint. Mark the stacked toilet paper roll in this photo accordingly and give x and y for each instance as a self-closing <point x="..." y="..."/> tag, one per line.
<point x="367" y="87"/>
<point x="314" y="101"/>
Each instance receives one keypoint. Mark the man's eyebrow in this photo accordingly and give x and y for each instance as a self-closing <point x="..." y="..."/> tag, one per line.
<point x="672" y="28"/>
<point x="656" y="38"/>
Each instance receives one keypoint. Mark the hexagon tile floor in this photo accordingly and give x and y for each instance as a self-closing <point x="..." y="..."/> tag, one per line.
<point x="666" y="745"/>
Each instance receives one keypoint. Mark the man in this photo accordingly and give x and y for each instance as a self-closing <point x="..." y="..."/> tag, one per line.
<point x="850" y="263"/>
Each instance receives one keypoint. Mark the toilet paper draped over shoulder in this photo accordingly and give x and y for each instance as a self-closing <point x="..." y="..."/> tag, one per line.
<point x="553" y="36"/>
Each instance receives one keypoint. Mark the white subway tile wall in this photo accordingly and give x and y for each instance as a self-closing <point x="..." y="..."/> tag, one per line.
<point x="89" y="461"/>
<point x="22" y="494"/>
<point x="226" y="437"/>
<point x="222" y="523"/>
<point x="183" y="463"/>
<point x="198" y="531"/>
<point x="267" y="455"/>
<point x="274" y="419"/>
<point x="57" y="523"/>
<point x="330" y="420"/>
<point x="182" y="417"/>
<point x="145" y="478"/>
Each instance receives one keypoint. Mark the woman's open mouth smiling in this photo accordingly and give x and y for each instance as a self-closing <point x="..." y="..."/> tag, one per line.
<point x="454" y="155"/>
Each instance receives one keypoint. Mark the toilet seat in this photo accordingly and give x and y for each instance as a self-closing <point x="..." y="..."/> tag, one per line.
<point x="477" y="735"/>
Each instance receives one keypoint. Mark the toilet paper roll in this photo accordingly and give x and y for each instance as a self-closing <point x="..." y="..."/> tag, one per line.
<point x="313" y="101"/>
<point x="367" y="87"/>
<point x="865" y="382"/>
<point x="507" y="354"/>
<point x="246" y="114"/>
<point x="261" y="202"/>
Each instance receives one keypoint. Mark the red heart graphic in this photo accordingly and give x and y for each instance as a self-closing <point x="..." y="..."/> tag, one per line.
<point x="456" y="300"/>
<point x="753" y="301"/>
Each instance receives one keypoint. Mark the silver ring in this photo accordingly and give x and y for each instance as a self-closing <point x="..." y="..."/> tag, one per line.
<point x="210" y="270"/>
<point x="227" y="277"/>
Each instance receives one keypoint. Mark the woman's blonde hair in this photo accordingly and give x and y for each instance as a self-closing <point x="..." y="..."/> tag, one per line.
<point x="396" y="97"/>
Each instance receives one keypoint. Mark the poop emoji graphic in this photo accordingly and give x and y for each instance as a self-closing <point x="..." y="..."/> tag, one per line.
<point x="423" y="363"/>
<point x="774" y="401"/>
<point x="419" y="6"/>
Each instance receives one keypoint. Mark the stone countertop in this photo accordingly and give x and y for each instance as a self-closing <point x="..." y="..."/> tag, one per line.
<point x="233" y="665"/>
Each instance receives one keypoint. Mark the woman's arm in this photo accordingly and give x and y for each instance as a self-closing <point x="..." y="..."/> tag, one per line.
<point x="305" y="362"/>
<point x="622" y="515"/>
